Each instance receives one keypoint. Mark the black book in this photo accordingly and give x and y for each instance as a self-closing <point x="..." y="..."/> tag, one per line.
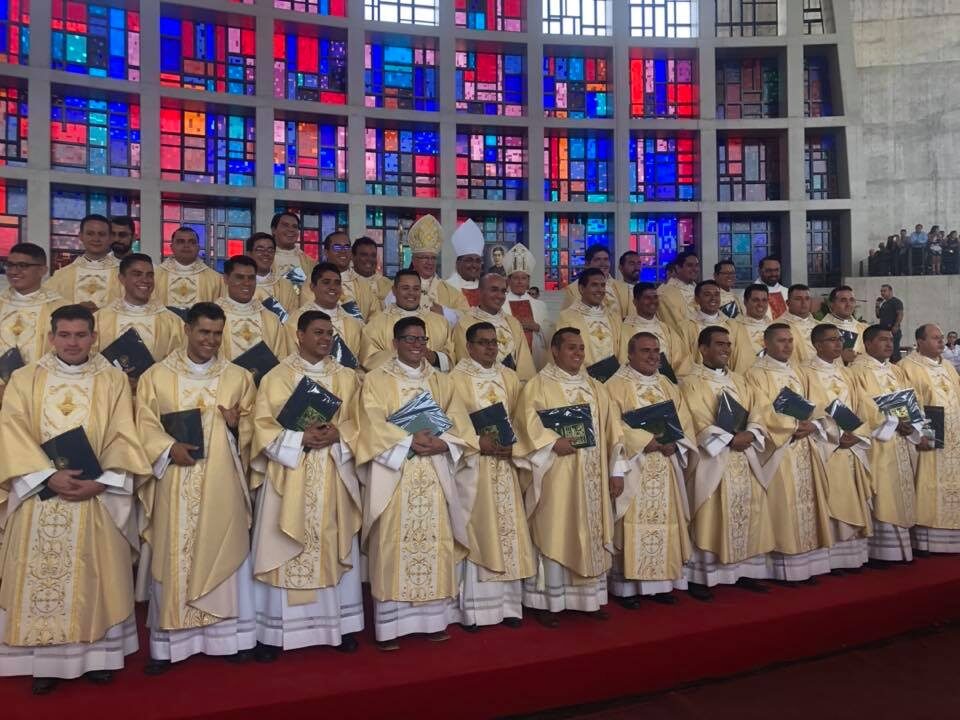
<point x="731" y="415"/>
<point x="493" y="420"/>
<point x="572" y="421"/>
<point x="71" y="451"/>
<point x="730" y="309"/>
<point x="660" y="420"/>
<point x="179" y="312"/>
<point x="788" y="402"/>
<point x="11" y="360"/>
<point x="849" y="339"/>
<point x="604" y="369"/>
<point x="274" y="306"/>
<point x="259" y="360"/>
<point x="845" y="417"/>
<point x="309" y="403"/>
<point x="352" y="309"/>
<point x="902" y="404"/>
<point x="343" y="354"/>
<point x="666" y="369"/>
<point x="509" y="362"/>
<point x="185" y="426"/>
<point x="937" y="423"/>
<point x="129" y="353"/>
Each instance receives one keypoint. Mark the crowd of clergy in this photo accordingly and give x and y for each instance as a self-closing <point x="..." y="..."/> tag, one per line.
<point x="256" y="538"/>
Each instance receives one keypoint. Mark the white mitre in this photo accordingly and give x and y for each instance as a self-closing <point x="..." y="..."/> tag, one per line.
<point x="519" y="259"/>
<point x="467" y="240"/>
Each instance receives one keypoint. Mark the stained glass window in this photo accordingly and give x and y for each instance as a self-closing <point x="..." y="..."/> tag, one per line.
<point x="577" y="166"/>
<point x="658" y="239"/>
<point x="823" y="254"/>
<point x="402" y="162"/>
<point x="502" y="230"/>
<point x="747" y="18"/>
<point x="388" y="227"/>
<point x="748" y="88"/>
<point x="14" y="126"/>
<point x="816" y="87"/>
<point x="663" y="18"/>
<point x="577" y="17"/>
<point x="69" y="206"/>
<point x="818" y="17"/>
<point x="566" y="237"/>
<point x="577" y="87"/>
<point x="13" y="215"/>
<point x="820" y="174"/>
<point x="309" y="67"/>
<point x="95" y="39"/>
<point x="747" y="169"/>
<point x="216" y="57"/>
<point x="491" y="164"/>
<point x="337" y="8"/>
<point x="310" y="155"/>
<point x="501" y="15"/>
<point x="747" y="239"/>
<point x="100" y="137"/>
<point x="316" y="222"/>
<point x="663" y="167"/>
<point x="408" y="12"/>
<point x="206" y="147"/>
<point x="663" y="87"/>
<point x="401" y="74"/>
<point x="222" y="228"/>
<point x="490" y="83"/>
<point x="15" y="32"/>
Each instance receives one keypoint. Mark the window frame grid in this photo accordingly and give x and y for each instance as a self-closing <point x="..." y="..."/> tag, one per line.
<point x="218" y="82"/>
<point x="291" y="80"/>
<point x="743" y="20"/>
<point x="313" y="227"/>
<point x="319" y="8"/>
<point x="380" y="183"/>
<point x="392" y="253"/>
<point x="590" y="90"/>
<point x="658" y="92"/>
<point x="216" y="221"/>
<point x="727" y="228"/>
<point x="685" y="165"/>
<point x="404" y="12"/>
<point x="816" y="75"/>
<point x="821" y="150"/>
<point x="509" y="149"/>
<point x="501" y="21"/>
<point x="106" y="39"/>
<point x="560" y="267"/>
<point x="560" y="18"/>
<point x="15" y="129"/>
<point x="476" y="96"/>
<point x="10" y="219"/>
<point x="321" y="180"/>
<point x="759" y="68"/>
<point x="648" y="16"/>
<point x="65" y="231"/>
<point x="737" y="183"/>
<point x="559" y="186"/>
<point x="97" y="113"/>
<point x="665" y="248"/>
<point x="225" y="148"/>
<point x="823" y="264"/>
<point x="383" y="95"/>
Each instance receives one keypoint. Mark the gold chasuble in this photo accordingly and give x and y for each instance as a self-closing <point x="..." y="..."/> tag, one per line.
<point x="277" y="287"/>
<point x="800" y="328"/>
<point x="415" y="515"/>
<point x="66" y="565"/>
<point x="599" y="330"/>
<point x="376" y="342"/>
<point x="652" y="512"/>
<point x="378" y="285"/>
<point x="671" y="343"/>
<point x="851" y="324"/>
<point x="353" y="288"/>
<point x="617" y="301"/>
<point x="568" y="501"/>
<point x="748" y="341"/>
<point x="310" y="513"/>
<point x="25" y="321"/>
<point x="161" y="330"/>
<point x="287" y="259"/>
<point x="796" y="495"/>
<point x="938" y="471"/>
<point x="498" y="533"/>
<point x="728" y="501"/>
<point x="510" y="339"/>
<point x="248" y="324"/>
<point x="676" y="302"/>
<point x="197" y="518"/>
<point x="183" y="286"/>
<point x="86" y="280"/>
<point x="437" y="290"/>
<point x="345" y="326"/>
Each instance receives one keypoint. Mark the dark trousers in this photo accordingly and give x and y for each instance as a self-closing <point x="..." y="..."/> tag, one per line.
<point x="897" y="337"/>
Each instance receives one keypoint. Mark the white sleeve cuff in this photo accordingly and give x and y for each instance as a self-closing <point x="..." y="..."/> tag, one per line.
<point x="393" y="458"/>
<point x="887" y="430"/>
<point x="620" y="468"/>
<point x="286" y="448"/>
<point x="118" y="483"/>
<point x="162" y="463"/>
<point x="716" y="443"/>
<point x="451" y="316"/>
<point x="31" y="483"/>
<point x="443" y="361"/>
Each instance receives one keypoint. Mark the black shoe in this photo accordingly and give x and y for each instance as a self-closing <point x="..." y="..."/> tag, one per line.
<point x="699" y="592"/>
<point x="921" y="553"/>
<point x="513" y="622"/>
<point x="240" y="657"/>
<point x="156" y="667"/>
<point x="630" y="603"/>
<point x="838" y="572"/>
<point x="809" y="582"/>
<point x="853" y="571"/>
<point x="548" y="619"/>
<point x="751" y="585"/>
<point x="878" y="564"/>
<point x="470" y="628"/>
<point x="266" y="653"/>
<point x="44" y="686"/>
<point x="348" y="644"/>
<point x="99" y="677"/>
<point x="600" y="615"/>
<point x="667" y="598"/>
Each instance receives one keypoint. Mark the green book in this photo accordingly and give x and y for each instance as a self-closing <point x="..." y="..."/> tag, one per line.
<point x="604" y="369"/>
<point x="493" y="420"/>
<point x="571" y="421"/>
<point x="731" y="415"/>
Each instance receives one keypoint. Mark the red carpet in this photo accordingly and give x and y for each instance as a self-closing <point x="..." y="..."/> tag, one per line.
<point x="501" y="671"/>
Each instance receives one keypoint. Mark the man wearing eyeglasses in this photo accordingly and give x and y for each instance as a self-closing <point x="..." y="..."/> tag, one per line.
<point x="725" y="275"/>
<point x="355" y="296"/>
<point x="263" y="249"/>
<point x="91" y="279"/>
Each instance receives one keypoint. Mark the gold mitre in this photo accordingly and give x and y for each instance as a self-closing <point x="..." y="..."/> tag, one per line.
<point x="519" y="259"/>
<point x="425" y="236"/>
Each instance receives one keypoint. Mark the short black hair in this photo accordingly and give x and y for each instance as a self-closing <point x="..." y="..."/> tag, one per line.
<point x="93" y="217"/>
<point x="641" y="336"/>
<point x="238" y="260"/>
<point x="186" y="228"/>
<point x="208" y="310"/>
<point x="588" y="273"/>
<point x="328" y="240"/>
<point x="706" y="335"/>
<point x="680" y="259"/>
<point x="132" y="258"/>
<point x="252" y="240"/>
<point x="404" y="272"/>
<point x="702" y="284"/>
<point x="797" y="287"/>
<point x="280" y="215"/>
<point x="557" y="340"/>
<point x="767" y="258"/>
<point x="717" y="266"/>
<point x="31" y="250"/>
<point x="361" y="242"/>
<point x="401" y="326"/>
<point x="641" y="287"/>
<point x="593" y="250"/>
<point x="921" y="332"/>
<point x="303" y="322"/>
<point x="627" y="254"/>
<point x="68" y="313"/>
<point x="773" y="328"/>
<point x="888" y="285"/>
<point x="871" y="332"/>
<point x="816" y="335"/>
<point x="839" y="289"/>
<point x="321" y="268"/>
<point x="126" y="221"/>
<point x="490" y="274"/>
<point x="477" y="328"/>
<point x="752" y="288"/>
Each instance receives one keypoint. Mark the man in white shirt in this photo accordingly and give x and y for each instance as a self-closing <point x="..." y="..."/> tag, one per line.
<point x="951" y="352"/>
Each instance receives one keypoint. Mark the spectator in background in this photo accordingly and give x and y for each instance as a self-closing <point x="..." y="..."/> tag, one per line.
<point x="534" y="292"/>
<point x="873" y="258"/>
<point x="902" y="259"/>
<point x="918" y="246"/>
<point x="951" y="254"/>
<point x="935" y="251"/>
<point x="951" y="351"/>
<point x="890" y="317"/>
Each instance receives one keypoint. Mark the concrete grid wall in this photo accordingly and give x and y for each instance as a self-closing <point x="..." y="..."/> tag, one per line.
<point x="792" y="209"/>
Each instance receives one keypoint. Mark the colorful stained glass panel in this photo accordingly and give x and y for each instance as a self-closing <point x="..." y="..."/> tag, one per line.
<point x="577" y="87"/>
<point x="69" y="206"/>
<point x="401" y="75"/>
<point x="406" y="12"/>
<point x="491" y="165"/>
<point x="816" y="87"/>
<point x="336" y="8"/>
<point x="500" y="15"/>
<point x="577" y="166"/>
<point x="388" y="227"/>
<point x="212" y="56"/>
<point x="100" y="137"/>
<point x="748" y="88"/>
<point x="501" y="231"/>
<point x="747" y="169"/>
<point x="658" y="239"/>
<point x="820" y="173"/>
<point x="308" y="67"/>
<point x="95" y="39"/>
<point x="566" y="237"/>
<point x="316" y="222"/>
<point x="14" y="126"/>
<point x="663" y="87"/>
<point x="15" y="32"/>
<point x="222" y="228"/>
<point x="402" y="162"/>
<point x="746" y="239"/>
<point x="309" y="155"/>
<point x="663" y="167"/>
<point x="206" y="147"/>
<point x="13" y="216"/>
<point x="490" y="83"/>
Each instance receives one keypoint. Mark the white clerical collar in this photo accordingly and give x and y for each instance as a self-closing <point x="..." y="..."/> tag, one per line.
<point x="332" y="312"/>
<point x="777" y="365"/>
<point x="822" y="364"/>
<point x="127" y="305"/>
<point x="412" y="372"/>
<point x="105" y="259"/>
<point x="314" y="367"/>
<point x="932" y="362"/>
<point x="514" y="296"/>
<point x="71" y="369"/>
<point x="24" y="296"/>
<point x="405" y="312"/>
<point x="591" y="309"/>
<point x="717" y="372"/>
<point x="265" y="279"/>
<point x="480" y="312"/>
<point x="840" y="320"/>
<point x="648" y="321"/>
<point x="491" y="372"/>
<point x="199" y="368"/>
<point x="179" y="266"/>
<point x="715" y="318"/>
<point x="789" y="316"/>
<point x="653" y="379"/>
<point x="239" y="307"/>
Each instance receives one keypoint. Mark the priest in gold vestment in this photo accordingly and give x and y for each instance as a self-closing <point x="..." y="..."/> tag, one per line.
<point x="725" y="275"/>
<point x="938" y="469"/>
<point x="893" y="454"/>
<point x="262" y="248"/>
<point x="646" y="303"/>
<point x="599" y="327"/>
<point x="197" y="512"/>
<point x="842" y="305"/>
<point x="184" y="279"/>
<point x="676" y="294"/>
<point x="91" y="279"/>
<point x="66" y="595"/>
<point x="801" y="322"/>
<point x="290" y="261"/>
<point x="706" y="313"/>
<point x="325" y="290"/>
<point x="306" y="553"/>
<point x="617" y="299"/>
<point x="568" y="498"/>
<point x="653" y="515"/>
<point x="750" y="325"/>
<point x="363" y="269"/>
<point x="356" y="296"/>
<point x="730" y="527"/>
<point x="501" y="554"/>
<point x="796" y="495"/>
<point x="416" y="510"/>
<point x="248" y="321"/>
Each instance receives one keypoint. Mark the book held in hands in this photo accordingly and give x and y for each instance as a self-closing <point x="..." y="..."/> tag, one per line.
<point x="935" y="425"/>
<point x="846" y="419"/>
<point x="731" y="415"/>
<point x="660" y="420"/>
<point x="185" y="426"/>
<point x="309" y="404"/>
<point x="259" y="360"/>
<point x="523" y="312"/>
<point x="11" y="360"/>
<point x="493" y="420"/>
<point x="604" y="369"/>
<point x="666" y="369"/>
<point x="791" y="403"/>
<point x="421" y="413"/>
<point x="274" y="306"/>
<point x="574" y="422"/>
<point x="901" y="404"/>
<point x="129" y="353"/>
<point x="71" y="450"/>
<point x="340" y="352"/>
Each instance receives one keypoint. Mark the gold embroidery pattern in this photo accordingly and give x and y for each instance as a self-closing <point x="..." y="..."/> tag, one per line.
<point x="804" y="496"/>
<point x="599" y="330"/>
<point x="184" y="289"/>
<point x="144" y="327"/>
<point x="948" y="458"/>
<point x="92" y="286"/>
<point x="303" y="571"/>
<point x="737" y="488"/>
<point x="244" y="334"/>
